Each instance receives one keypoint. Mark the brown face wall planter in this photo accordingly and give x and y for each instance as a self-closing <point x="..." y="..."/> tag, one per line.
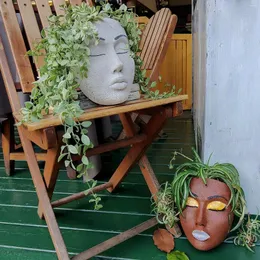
<point x="206" y="220"/>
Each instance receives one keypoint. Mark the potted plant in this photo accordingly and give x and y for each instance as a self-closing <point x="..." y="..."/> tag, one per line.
<point x="205" y="198"/>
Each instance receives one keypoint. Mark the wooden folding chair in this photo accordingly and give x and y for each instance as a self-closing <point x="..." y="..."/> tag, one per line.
<point x="46" y="133"/>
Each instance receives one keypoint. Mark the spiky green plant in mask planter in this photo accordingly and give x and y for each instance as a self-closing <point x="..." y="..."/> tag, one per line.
<point x="205" y="198"/>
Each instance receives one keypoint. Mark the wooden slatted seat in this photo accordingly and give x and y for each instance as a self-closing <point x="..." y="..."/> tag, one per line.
<point x="47" y="134"/>
<point x="102" y="111"/>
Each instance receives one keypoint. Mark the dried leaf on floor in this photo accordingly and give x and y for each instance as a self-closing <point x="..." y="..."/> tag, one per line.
<point x="163" y="240"/>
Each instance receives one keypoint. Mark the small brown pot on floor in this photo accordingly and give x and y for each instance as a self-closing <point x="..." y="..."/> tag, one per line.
<point x="207" y="220"/>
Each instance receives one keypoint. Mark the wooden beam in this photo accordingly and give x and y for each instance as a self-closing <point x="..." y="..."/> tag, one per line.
<point x="116" y="240"/>
<point x="22" y="157"/>
<point x="45" y="138"/>
<point x="80" y="195"/>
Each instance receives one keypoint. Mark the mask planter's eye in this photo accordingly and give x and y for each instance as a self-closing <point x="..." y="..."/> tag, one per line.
<point x="216" y="206"/>
<point x="191" y="202"/>
<point x="122" y="48"/>
<point x="97" y="55"/>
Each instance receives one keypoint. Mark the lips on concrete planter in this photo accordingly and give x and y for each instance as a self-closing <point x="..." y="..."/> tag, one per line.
<point x="111" y="67"/>
<point x="207" y="220"/>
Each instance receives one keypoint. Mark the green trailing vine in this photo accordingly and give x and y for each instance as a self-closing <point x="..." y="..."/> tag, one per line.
<point x="172" y="197"/>
<point x="65" y="48"/>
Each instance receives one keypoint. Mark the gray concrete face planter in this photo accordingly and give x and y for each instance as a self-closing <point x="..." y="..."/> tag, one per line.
<point x="111" y="71"/>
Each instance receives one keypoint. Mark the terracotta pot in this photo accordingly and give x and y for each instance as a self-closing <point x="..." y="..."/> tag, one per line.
<point x="206" y="220"/>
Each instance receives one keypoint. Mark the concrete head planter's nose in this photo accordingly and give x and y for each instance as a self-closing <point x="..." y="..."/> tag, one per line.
<point x="207" y="218"/>
<point x="111" y="69"/>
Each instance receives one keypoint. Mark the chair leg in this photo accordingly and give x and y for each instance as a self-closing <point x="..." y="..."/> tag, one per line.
<point x="8" y="144"/>
<point x="145" y="167"/>
<point x="43" y="197"/>
<point x="137" y="150"/>
<point x="51" y="170"/>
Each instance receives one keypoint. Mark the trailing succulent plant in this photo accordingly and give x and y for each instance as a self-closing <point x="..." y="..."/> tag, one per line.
<point x="173" y="196"/>
<point x="65" y="48"/>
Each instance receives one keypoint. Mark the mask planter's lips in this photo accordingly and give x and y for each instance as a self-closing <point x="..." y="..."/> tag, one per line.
<point x="200" y="235"/>
<point x="119" y="84"/>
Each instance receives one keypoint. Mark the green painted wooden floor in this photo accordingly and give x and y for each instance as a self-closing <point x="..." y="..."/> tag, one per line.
<point x="25" y="237"/>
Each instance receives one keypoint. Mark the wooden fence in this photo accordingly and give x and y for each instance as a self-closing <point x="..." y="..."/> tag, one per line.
<point x="177" y="66"/>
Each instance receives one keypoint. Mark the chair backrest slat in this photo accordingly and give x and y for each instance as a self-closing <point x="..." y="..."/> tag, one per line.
<point x="17" y="45"/>
<point x="153" y="37"/>
<point x="155" y="40"/>
<point x="57" y="4"/>
<point x="147" y="35"/>
<point x="44" y="11"/>
<point x="30" y="26"/>
<point x="158" y="39"/>
<point x="8" y="80"/>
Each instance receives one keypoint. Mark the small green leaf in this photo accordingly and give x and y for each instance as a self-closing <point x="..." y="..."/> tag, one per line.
<point x="79" y="167"/>
<point x="123" y="8"/>
<point x="94" y="184"/>
<point x="28" y="104"/>
<point x="177" y="255"/>
<point x="85" y="139"/>
<point x="85" y="160"/>
<point x="86" y="124"/>
<point x="69" y="121"/>
<point x="98" y="207"/>
<point x="67" y="136"/>
<point x="67" y="163"/>
<point x="72" y="149"/>
<point x="61" y="156"/>
<point x="153" y="84"/>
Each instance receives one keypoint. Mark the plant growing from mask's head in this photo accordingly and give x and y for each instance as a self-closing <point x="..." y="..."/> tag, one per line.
<point x="179" y="190"/>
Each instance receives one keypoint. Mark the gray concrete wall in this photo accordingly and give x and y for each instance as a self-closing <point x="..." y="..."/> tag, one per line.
<point x="232" y="89"/>
<point x="199" y="71"/>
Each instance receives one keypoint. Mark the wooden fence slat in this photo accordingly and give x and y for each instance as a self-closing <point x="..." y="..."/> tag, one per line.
<point x="17" y="45"/>
<point x="184" y="67"/>
<point x="188" y="103"/>
<point x="179" y="67"/>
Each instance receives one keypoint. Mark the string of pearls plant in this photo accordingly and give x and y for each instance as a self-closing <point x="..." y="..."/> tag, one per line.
<point x="65" y="47"/>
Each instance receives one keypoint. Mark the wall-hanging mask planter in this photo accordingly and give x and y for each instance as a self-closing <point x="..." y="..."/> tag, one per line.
<point x="205" y="198"/>
<point x="207" y="218"/>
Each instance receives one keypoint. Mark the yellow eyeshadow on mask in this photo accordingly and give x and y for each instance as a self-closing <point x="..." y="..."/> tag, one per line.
<point x="216" y="205"/>
<point x="192" y="202"/>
